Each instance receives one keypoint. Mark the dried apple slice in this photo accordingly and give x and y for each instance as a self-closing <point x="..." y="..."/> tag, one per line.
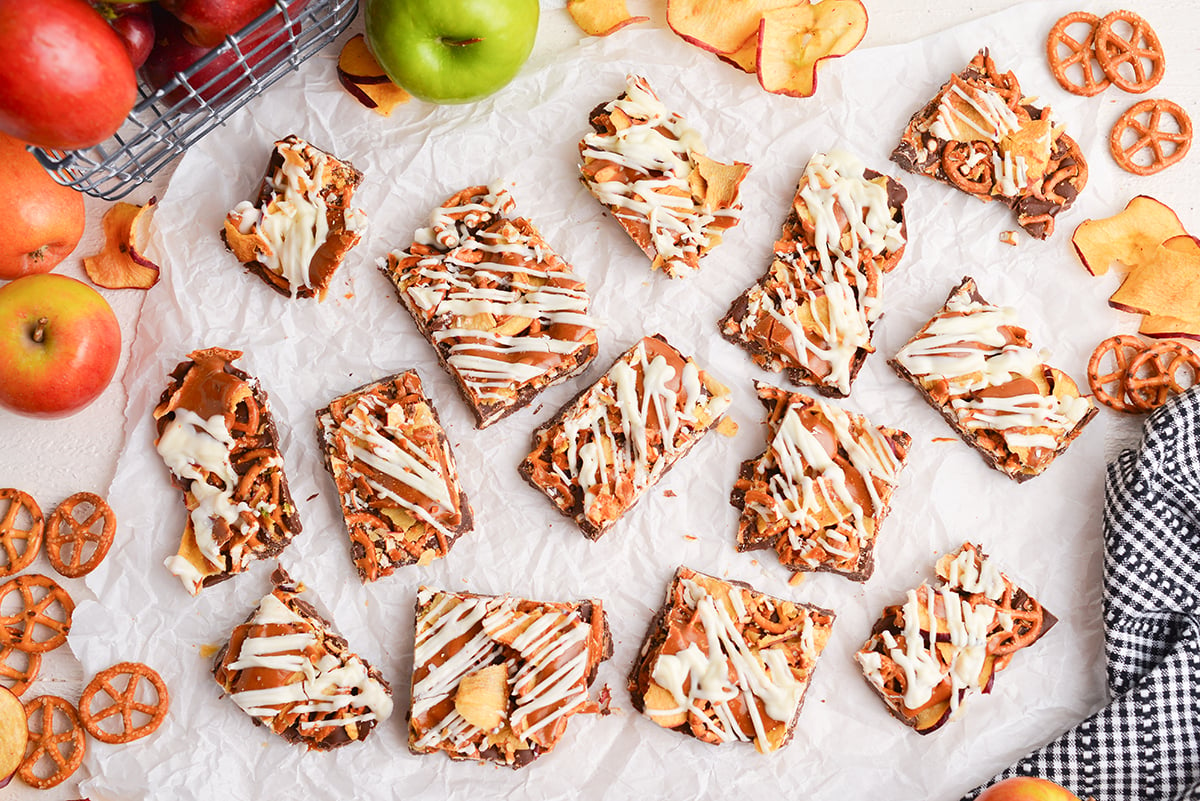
<point x="365" y="80"/>
<point x="1166" y="284"/>
<point x="716" y="183"/>
<point x="14" y="734"/>
<point x="745" y="58"/>
<point x="1128" y="236"/>
<point x="792" y="43"/>
<point x="1161" y="326"/>
<point x="720" y="26"/>
<point x="602" y="17"/>
<point x="121" y="265"/>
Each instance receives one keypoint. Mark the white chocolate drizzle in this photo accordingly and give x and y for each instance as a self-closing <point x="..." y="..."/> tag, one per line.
<point x="528" y="281"/>
<point x="322" y="689"/>
<point x="848" y="221"/>
<point x="699" y="678"/>
<point x="458" y="635"/>
<point x="657" y="146"/>
<point x="969" y="345"/>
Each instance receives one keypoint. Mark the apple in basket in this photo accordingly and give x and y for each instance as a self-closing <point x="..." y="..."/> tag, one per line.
<point x="451" y="51"/>
<point x="1027" y="788"/>
<point x="59" y="345"/>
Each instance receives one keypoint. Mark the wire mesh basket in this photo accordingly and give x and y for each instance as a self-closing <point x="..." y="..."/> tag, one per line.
<point x="166" y="121"/>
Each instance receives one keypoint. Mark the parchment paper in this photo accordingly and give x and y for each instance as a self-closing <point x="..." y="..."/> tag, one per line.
<point x="1045" y="532"/>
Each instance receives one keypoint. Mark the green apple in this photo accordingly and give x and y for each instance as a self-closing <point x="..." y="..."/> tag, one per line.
<point x="451" y="51"/>
<point x="59" y="345"/>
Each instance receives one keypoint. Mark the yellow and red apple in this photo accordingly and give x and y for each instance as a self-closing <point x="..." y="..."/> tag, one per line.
<point x="14" y="734"/>
<point x="59" y="345"/>
<point x="1027" y="788"/>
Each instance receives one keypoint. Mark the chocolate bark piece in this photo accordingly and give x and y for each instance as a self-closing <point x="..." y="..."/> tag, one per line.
<point x="497" y="678"/>
<point x="300" y="226"/>
<point x="647" y="166"/>
<point x="724" y="662"/>
<point x="810" y="315"/>
<point x="976" y="366"/>
<point x="981" y="135"/>
<point x="290" y="671"/>
<point x="506" y="315"/>
<point x="395" y="473"/>
<point x="217" y="436"/>
<point x="822" y="487"/>
<point x="606" y="448"/>
<point x="926" y="656"/>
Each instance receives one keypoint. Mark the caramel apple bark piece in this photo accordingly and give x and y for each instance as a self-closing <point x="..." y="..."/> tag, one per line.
<point x="648" y="167"/>
<point x="290" y="671"/>
<point x="821" y="489"/>
<point x="974" y="364"/>
<point x="497" y="678"/>
<point x="507" y="316"/>
<point x="300" y="227"/>
<point x="596" y="458"/>
<point x="217" y="436"/>
<point x="981" y="135"/>
<point x="395" y="473"/>
<point x="810" y="316"/>
<point x="926" y="656"/>
<point x="723" y="662"/>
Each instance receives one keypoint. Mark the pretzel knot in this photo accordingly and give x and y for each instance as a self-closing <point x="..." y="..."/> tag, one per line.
<point x="968" y="165"/>
<point x="21" y="527"/>
<point x="124" y="703"/>
<point x="39" y="595"/>
<point x="1108" y="385"/>
<point x="63" y="747"/>
<point x="67" y="532"/>
<point x="1079" y="53"/>
<point x="1142" y="47"/>
<point x="1151" y="135"/>
<point x="1153" y="374"/>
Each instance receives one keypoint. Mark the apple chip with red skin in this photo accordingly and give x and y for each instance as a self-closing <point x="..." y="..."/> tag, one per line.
<point x="793" y="42"/>
<point x="121" y="265"/>
<point x="720" y="26"/>
<point x="602" y="17"/>
<point x="1128" y="237"/>
<point x="1167" y="284"/>
<point x="361" y="75"/>
<point x="1160" y="326"/>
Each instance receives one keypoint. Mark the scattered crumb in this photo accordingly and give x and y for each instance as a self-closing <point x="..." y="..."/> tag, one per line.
<point x="314" y="495"/>
<point x="727" y="427"/>
<point x="208" y="651"/>
<point x="690" y="537"/>
<point x="427" y="556"/>
<point x="944" y="439"/>
<point x="796" y="579"/>
<point x="754" y="562"/>
<point x="669" y="493"/>
<point x="1009" y="237"/>
<point x="539" y="408"/>
<point x="349" y="296"/>
<point x="605" y="700"/>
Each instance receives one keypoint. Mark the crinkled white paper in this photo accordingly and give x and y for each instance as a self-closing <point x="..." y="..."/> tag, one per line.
<point x="1045" y="532"/>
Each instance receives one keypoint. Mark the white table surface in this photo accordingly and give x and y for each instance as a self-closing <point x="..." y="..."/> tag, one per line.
<point x="51" y="459"/>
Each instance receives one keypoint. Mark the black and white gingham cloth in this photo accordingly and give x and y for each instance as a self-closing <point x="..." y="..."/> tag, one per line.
<point x="1145" y="745"/>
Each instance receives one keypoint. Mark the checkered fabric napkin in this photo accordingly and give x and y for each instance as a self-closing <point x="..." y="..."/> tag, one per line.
<point x="1145" y="745"/>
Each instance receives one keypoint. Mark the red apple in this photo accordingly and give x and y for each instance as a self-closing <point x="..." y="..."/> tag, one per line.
<point x="1027" y="788"/>
<point x="67" y="81"/>
<point x="135" y="25"/>
<point x="59" y="345"/>
<point x="215" y="82"/>
<point x="207" y="22"/>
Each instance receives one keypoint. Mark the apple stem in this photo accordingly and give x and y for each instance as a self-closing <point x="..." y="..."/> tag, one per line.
<point x="39" y="331"/>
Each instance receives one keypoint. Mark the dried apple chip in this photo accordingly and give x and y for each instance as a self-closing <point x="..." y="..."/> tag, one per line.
<point x="792" y="43"/>
<point x="602" y="17"/>
<point x="1130" y="236"/>
<point x="365" y="80"/>
<point x="716" y="183"/>
<point x="720" y="26"/>
<point x="1167" y="284"/>
<point x="1161" y="326"/>
<point x="745" y="58"/>
<point x="121" y="265"/>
